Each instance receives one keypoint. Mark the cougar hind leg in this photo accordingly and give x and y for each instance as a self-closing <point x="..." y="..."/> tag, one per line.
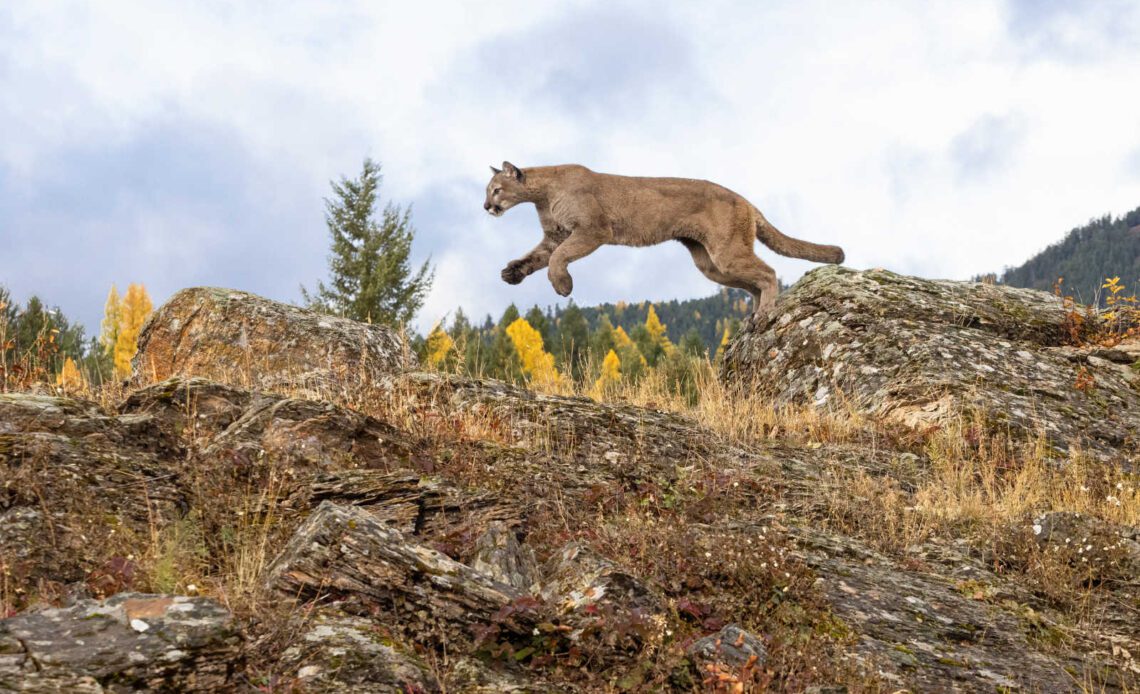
<point x="705" y="264"/>
<point x="736" y="258"/>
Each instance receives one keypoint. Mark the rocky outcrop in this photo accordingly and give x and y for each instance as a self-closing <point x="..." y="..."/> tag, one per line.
<point x="242" y="339"/>
<point x="346" y="553"/>
<point x="922" y="352"/>
<point x="437" y="533"/>
<point x="75" y="482"/>
<point x="130" y="642"/>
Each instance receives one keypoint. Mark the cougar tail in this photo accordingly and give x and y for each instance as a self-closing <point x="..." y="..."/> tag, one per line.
<point x="771" y="237"/>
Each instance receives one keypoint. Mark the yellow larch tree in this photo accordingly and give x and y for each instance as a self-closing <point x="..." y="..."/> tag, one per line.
<point x="439" y="346"/>
<point x="69" y="378"/>
<point x="657" y="330"/>
<point x="135" y="309"/>
<point x="723" y="343"/>
<point x="112" y="317"/>
<point x="631" y="361"/>
<point x="611" y="373"/>
<point x="537" y="363"/>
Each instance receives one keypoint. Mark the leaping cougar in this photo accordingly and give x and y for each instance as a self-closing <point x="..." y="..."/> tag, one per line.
<point x="581" y="210"/>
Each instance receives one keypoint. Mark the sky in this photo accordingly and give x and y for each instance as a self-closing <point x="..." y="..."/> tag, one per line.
<point x="181" y="144"/>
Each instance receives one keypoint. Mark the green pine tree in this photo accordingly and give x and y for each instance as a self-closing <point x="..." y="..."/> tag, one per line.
<point x="573" y="340"/>
<point x="370" y="276"/>
<point x="602" y="341"/>
<point x="503" y="361"/>
<point x="537" y="320"/>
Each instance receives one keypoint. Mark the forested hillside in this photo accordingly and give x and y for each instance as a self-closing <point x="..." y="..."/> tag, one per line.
<point x="1105" y="247"/>
<point x="708" y="316"/>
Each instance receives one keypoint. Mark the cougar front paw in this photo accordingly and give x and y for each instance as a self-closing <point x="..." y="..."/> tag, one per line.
<point x="563" y="284"/>
<point x="513" y="273"/>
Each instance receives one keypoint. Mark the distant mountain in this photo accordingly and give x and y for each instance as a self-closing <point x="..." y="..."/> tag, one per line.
<point x="1105" y="247"/>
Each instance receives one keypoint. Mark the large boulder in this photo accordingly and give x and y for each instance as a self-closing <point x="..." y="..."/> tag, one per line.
<point x="130" y="642"/>
<point x="921" y="352"/>
<point x="243" y="339"/>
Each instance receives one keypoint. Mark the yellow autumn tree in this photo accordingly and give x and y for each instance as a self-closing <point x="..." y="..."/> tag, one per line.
<point x="112" y="317"/>
<point x="439" y="346"/>
<point x="135" y="309"/>
<point x="69" y="378"/>
<point x="656" y="330"/>
<point x="611" y="373"/>
<point x="723" y="344"/>
<point x="631" y="361"/>
<point x="537" y="363"/>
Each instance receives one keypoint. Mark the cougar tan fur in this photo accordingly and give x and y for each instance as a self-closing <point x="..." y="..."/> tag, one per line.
<point x="581" y="210"/>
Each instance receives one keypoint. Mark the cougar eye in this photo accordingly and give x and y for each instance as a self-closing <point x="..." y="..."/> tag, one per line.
<point x="496" y="191"/>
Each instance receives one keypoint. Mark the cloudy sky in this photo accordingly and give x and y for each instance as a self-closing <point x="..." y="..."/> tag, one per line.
<point x="179" y="144"/>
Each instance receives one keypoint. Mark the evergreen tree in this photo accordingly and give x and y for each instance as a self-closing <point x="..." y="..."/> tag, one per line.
<point x="537" y="320"/>
<point x="469" y="344"/>
<point x="692" y="344"/>
<point x="370" y="276"/>
<point x="602" y="341"/>
<point x="503" y="359"/>
<point x="37" y="338"/>
<point x="573" y="340"/>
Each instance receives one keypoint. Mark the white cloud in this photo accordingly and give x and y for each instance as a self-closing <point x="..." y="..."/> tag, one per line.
<point x="946" y="140"/>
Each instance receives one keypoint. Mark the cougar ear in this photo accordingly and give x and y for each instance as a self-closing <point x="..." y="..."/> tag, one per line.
<point x="513" y="170"/>
<point x="496" y="171"/>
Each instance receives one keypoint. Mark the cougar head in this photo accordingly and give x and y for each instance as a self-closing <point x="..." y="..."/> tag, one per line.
<point x="505" y="189"/>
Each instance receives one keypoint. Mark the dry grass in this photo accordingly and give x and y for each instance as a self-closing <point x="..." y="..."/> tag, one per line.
<point x="978" y="490"/>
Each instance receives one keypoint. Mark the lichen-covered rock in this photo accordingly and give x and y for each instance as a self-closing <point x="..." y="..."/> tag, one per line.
<point x="314" y="435"/>
<point x="338" y="653"/>
<point x="916" y="630"/>
<point x="130" y="642"/>
<point x="731" y="651"/>
<point x="921" y="351"/>
<point x="345" y="552"/>
<point x="499" y="555"/>
<point x="1099" y="550"/>
<point x="243" y="339"/>
<point x="190" y="408"/>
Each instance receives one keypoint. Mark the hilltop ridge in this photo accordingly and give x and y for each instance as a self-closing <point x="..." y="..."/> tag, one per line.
<point x="884" y="493"/>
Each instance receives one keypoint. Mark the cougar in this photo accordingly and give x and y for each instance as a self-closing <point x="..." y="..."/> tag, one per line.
<point x="581" y="210"/>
